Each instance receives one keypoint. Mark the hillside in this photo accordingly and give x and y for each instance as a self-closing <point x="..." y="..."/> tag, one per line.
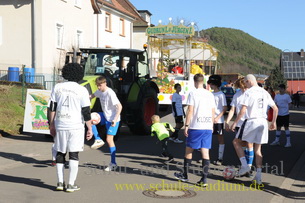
<point x="240" y="52"/>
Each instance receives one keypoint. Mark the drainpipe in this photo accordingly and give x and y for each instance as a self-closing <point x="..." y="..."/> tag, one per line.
<point x="34" y="36"/>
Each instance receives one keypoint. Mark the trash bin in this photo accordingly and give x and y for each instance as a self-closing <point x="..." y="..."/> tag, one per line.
<point x="29" y="75"/>
<point x="13" y="74"/>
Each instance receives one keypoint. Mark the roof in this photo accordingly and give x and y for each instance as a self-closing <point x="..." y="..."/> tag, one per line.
<point x="293" y="56"/>
<point x="125" y="7"/>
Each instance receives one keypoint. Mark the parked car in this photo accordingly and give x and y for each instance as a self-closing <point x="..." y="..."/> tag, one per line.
<point x="229" y="92"/>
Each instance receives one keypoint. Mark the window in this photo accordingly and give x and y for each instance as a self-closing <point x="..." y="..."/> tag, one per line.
<point x="108" y="22"/>
<point x="122" y="27"/>
<point x="77" y="3"/>
<point x="79" y="38"/>
<point x="59" y="35"/>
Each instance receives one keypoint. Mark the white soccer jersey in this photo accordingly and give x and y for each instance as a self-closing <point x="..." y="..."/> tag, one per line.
<point x="203" y="102"/>
<point x="282" y="101"/>
<point x="178" y="99"/>
<point x="257" y="101"/>
<point x="236" y="102"/>
<point x="70" y="98"/>
<point x="220" y="102"/>
<point x="109" y="100"/>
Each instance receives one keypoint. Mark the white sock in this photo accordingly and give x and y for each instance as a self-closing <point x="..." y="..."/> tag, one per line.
<point x="243" y="161"/>
<point x="60" y="172"/>
<point x="54" y="152"/>
<point x="73" y="166"/>
<point x="258" y="173"/>
<point x="220" y="151"/>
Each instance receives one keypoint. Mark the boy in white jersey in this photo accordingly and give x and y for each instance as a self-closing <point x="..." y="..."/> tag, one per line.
<point x="221" y="107"/>
<point x="69" y="107"/>
<point x="235" y="107"/>
<point x="198" y="129"/>
<point x="110" y="116"/>
<point x="178" y="113"/>
<point x="282" y="101"/>
<point x="255" y="127"/>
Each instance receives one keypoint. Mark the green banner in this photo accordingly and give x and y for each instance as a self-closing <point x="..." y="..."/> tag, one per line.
<point x="170" y="29"/>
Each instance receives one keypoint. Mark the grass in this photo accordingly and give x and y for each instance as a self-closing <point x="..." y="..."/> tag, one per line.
<point x="11" y="109"/>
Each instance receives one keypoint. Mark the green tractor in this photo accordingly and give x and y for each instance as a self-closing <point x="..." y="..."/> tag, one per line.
<point x="127" y="73"/>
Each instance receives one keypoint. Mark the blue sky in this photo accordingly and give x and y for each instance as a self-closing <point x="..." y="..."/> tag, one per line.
<point x="280" y="23"/>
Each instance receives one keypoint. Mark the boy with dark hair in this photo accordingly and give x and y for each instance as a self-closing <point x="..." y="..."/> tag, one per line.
<point x="198" y="129"/>
<point x="69" y="107"/>
<point x="221" y="107"/>
<point x="178" y="113"/>
<point x="282" y="100"/>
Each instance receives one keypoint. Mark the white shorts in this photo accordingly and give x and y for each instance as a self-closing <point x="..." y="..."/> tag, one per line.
<point x="69" y="140"/>
<point x="254" y="131"/>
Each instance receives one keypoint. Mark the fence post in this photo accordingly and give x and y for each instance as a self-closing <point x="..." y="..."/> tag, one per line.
<point x="23" y="85"/>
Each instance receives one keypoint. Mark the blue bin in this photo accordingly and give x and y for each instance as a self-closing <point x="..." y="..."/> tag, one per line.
<point x="13" y="74"/>
<point x="29" y="75"/>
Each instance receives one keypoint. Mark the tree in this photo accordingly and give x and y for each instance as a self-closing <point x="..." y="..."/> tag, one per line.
<point x="276" y="78"/>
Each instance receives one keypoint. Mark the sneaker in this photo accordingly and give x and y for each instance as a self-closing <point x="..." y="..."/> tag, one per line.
<point x="180" y="176"/>
<point x="111" y="167"/>
<point x="274" y="143"/>
<point x="60" y="186"/>
<point x="178" y="141"/>
<point x="171" y="139"/>
<point x="257" y="180"/>
<point x="97" y="144"/>
<point x="170" y="160"/>
<point x="218" y="162"/>
<point x="288" y="145"/>
<point x="243" y="170"/>
<point x="72" y="188"/>
<point x="200" y="183"/>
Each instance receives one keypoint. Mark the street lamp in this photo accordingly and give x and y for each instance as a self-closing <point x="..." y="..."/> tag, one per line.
<point x="292" y="67"/>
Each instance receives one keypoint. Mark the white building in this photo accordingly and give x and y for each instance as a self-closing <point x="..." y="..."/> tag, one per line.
<point x="38" y="33"/>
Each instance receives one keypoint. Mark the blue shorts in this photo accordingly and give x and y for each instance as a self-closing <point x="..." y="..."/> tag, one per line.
<point x="198" y="139"/>
<point x="110" y="130"/>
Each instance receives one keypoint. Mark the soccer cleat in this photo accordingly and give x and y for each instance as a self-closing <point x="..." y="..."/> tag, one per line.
<point x="163" y="154"/>
<point x="170" y="160"/>
<point x="178" y="141"/>
<point x="274" y="143"/>
<point x="180" y="176"/>
<point x="287" y="145"/>
<point x="97" y="144"/>
<point x="243" y="170"/>
<point x="218" y="162"/>
<point x="111" y="167"/>
<point x="72" y="188"/>
<point x="201" y="183"/>
<point x="60" y="186"/>
<point x="171" y="139"/>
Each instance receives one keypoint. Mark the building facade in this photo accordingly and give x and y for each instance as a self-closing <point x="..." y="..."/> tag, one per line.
<point x="39" y="33"/>
<point x="293" y="69"/>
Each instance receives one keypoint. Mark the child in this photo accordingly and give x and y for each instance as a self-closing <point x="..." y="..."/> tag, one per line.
<point x="283" y="101"/>
<point x="221" y="107"/>
<point x="110" y="116"/>
<point x="161" y="130"/>
<point x="178" y="113"/>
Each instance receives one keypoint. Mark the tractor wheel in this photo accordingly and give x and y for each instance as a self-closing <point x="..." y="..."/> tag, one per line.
<point x="148" y="107"/>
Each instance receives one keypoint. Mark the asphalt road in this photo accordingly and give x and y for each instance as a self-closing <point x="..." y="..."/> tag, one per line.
<point x="27" y="176"/>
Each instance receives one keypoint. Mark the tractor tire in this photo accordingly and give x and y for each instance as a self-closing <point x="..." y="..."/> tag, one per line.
<point x="148" y="106"/>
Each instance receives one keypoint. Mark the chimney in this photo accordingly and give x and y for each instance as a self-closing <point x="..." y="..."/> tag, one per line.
<point x="302" y="53"/>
